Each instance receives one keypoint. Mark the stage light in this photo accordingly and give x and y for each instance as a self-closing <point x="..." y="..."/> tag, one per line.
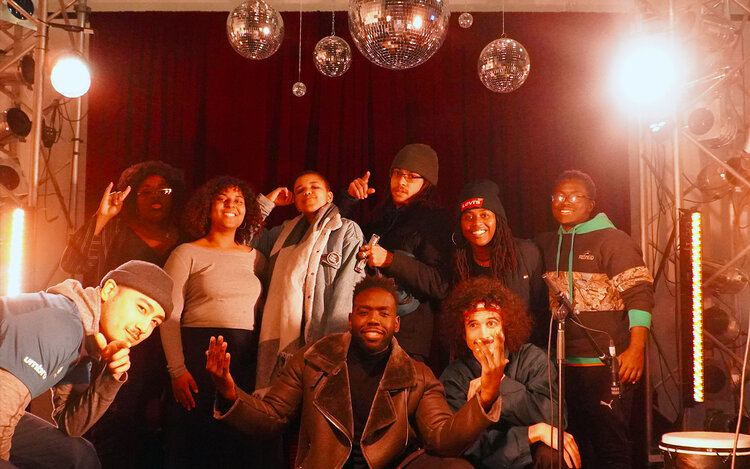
<point x="23" y="72"/>
<point x="721" y="324"/>
<point x="15" y="254"/>
<point x="647" y="72"/>
<point x="14" y="124"/>
<point x="690" y="255"/>
<point x="70" y="76"/>
<point x="696" y="254"/>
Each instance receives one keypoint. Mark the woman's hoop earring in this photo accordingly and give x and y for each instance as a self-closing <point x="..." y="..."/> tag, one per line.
<point x="453" y="238"/>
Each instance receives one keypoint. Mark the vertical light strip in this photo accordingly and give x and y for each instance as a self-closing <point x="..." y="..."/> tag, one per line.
<point x="15" y="264"/>
<point x="696" y="255"/>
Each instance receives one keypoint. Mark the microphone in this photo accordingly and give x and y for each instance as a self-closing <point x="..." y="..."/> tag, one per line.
<point x="614" y="368"/>
<point x="362" y="262"/>
<point x="561" y="297"/>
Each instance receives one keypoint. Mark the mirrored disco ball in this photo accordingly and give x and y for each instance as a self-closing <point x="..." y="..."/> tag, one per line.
<point x="503" y="65"/>
<point x="465" y="20"/>
<point x="398" y="34"/>
<point x="299" y="89"/>
<point x="332" y="56"/>
<point x="255" y="30"/>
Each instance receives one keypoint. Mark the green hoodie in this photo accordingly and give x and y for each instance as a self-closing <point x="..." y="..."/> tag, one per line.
<point x="605" y="277"/>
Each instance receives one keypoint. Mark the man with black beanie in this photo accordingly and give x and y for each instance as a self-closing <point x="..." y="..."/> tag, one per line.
<point x="76" y="341"/>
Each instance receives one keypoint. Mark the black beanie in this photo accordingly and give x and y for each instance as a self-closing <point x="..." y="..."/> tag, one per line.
<point x="418" y="158"/>
<point x="481" y="194"/>
<point x="147" y="278"/>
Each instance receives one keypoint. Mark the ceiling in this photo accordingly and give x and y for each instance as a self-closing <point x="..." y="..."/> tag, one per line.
<point x="615" y="6"/>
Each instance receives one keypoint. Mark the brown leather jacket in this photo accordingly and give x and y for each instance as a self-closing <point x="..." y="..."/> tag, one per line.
<point x="409" y="404"/>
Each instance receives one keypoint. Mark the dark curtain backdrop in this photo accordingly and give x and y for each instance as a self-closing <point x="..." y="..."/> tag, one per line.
<point x="169" y="86"/>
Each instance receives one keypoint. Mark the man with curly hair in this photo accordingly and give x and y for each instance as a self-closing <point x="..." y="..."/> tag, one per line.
<point x="482" y="311"/>
<point x="362" y="401"/>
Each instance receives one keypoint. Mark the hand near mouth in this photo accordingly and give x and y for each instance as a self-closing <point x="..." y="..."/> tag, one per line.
<point x="492" y="358"/>
<point x="115" y="353"/>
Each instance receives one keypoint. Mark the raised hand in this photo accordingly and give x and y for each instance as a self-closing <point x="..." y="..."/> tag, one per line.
<point x="360" y="187"/>
<point x="547" y="434"/>
<point x="217" y="365"/>
<point x="183" y="388"/>
<point x="110" y="205"/>
<point x="281" y="196"/>
<point x="490" y="353"/>
<point x="115" y="353"/>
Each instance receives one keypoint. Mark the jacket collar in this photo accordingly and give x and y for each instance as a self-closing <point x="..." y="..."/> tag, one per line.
<point x="598" y="222"/>
<point x="329" y="356"/>
<point x="88" y="303"/>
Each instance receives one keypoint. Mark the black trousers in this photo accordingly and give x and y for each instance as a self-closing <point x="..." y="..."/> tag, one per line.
<point x="598" y="421"/>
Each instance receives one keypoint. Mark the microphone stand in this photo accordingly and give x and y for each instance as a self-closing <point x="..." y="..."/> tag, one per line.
<point x="565" y="308"/>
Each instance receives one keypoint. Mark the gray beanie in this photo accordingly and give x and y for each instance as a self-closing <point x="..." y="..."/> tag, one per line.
<point x="418" y="158"/>
<point x="147" y="278"/>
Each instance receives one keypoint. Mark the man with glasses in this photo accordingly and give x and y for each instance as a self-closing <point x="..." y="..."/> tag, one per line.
<point x="601" y="270"/>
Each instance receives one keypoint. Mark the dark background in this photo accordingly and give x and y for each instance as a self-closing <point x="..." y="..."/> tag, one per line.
<point x="169" y="86"/>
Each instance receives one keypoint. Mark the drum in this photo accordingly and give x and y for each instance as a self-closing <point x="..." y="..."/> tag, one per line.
<point x="704" y="450"/>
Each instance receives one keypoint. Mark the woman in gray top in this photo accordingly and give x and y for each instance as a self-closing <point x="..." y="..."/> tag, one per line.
<point x="217" y="289"/>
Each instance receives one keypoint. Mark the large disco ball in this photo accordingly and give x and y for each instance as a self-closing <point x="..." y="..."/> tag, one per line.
<point x="255" y="30"/>
<point x="332" y="56"/>
<point x="398" y="34"/>
<point x="503" y="65"/>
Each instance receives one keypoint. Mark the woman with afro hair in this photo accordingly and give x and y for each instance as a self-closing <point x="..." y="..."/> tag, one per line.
<point x="483" y="310"/>
<point x="217" y="290"/>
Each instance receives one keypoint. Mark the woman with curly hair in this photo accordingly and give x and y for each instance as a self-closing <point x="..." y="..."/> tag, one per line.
<point x="482" y="310"/>
<point x="137" y="221"/>
<point x="217" y="288"/>
<point x="485" y="247"/>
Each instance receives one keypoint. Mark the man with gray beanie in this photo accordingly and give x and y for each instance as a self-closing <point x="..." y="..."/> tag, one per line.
<point x="414" y="240"/>
<point x="75" y="341"/>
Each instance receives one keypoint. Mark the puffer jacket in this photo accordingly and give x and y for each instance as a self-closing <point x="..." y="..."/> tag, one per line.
<point x="409" y="405"/>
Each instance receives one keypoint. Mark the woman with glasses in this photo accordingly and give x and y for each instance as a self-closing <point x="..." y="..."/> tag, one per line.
<point x="135" y="221"/>
<point x="217" y="288"/>
<point x="485" y="247"/>
<point x="414" y="241"/>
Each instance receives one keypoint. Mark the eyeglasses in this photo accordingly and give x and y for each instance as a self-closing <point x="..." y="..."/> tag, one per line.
<point x="410" y="177"/>
<point x="572" y="198"/>
<point x="151" y="192"/>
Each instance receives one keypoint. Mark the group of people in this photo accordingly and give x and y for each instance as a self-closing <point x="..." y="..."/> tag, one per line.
<point x="317" y="343"/>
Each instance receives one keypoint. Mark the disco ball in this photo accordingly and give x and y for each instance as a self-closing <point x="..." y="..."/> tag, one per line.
<point x="503" y="65"/>
<point x="255" y="30"/>
<point x="299" y="89"/>
<point x="398" y="34"/>
<point x="332" y="56"/>
<point x="465" y="20"/>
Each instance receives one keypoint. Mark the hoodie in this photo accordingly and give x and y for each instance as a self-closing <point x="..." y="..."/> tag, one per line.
<point x="602" y="270"/>
<point x="48" y="342"/>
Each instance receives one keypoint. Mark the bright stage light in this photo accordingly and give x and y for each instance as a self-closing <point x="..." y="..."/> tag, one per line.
<point x="647" y="73"/>
<point x="70" y="76"/>
<point x="15" y="254"/>
<point x="696" y="254"/>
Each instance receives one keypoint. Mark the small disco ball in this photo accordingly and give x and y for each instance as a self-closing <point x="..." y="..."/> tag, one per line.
<point x="332" y="56"/>
<point x="299" y="89"/>
<point x="398" y="34"/>
<point x="503" y="65"/>
<point x="255" y="30"/>
<point x="465" y="20"/>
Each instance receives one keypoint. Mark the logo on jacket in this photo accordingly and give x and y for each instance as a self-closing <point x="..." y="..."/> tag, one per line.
<point x="586" y="256"/>
<point x="333" y="259"/>
<point x="38" y="368"/>
<point x="472" y="203"/>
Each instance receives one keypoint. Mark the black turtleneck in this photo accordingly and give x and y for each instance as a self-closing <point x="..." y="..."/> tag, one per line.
<point x="365" y="373"/>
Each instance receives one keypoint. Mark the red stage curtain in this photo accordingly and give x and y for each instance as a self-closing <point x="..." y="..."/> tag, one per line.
<point x="169" y="86"/>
